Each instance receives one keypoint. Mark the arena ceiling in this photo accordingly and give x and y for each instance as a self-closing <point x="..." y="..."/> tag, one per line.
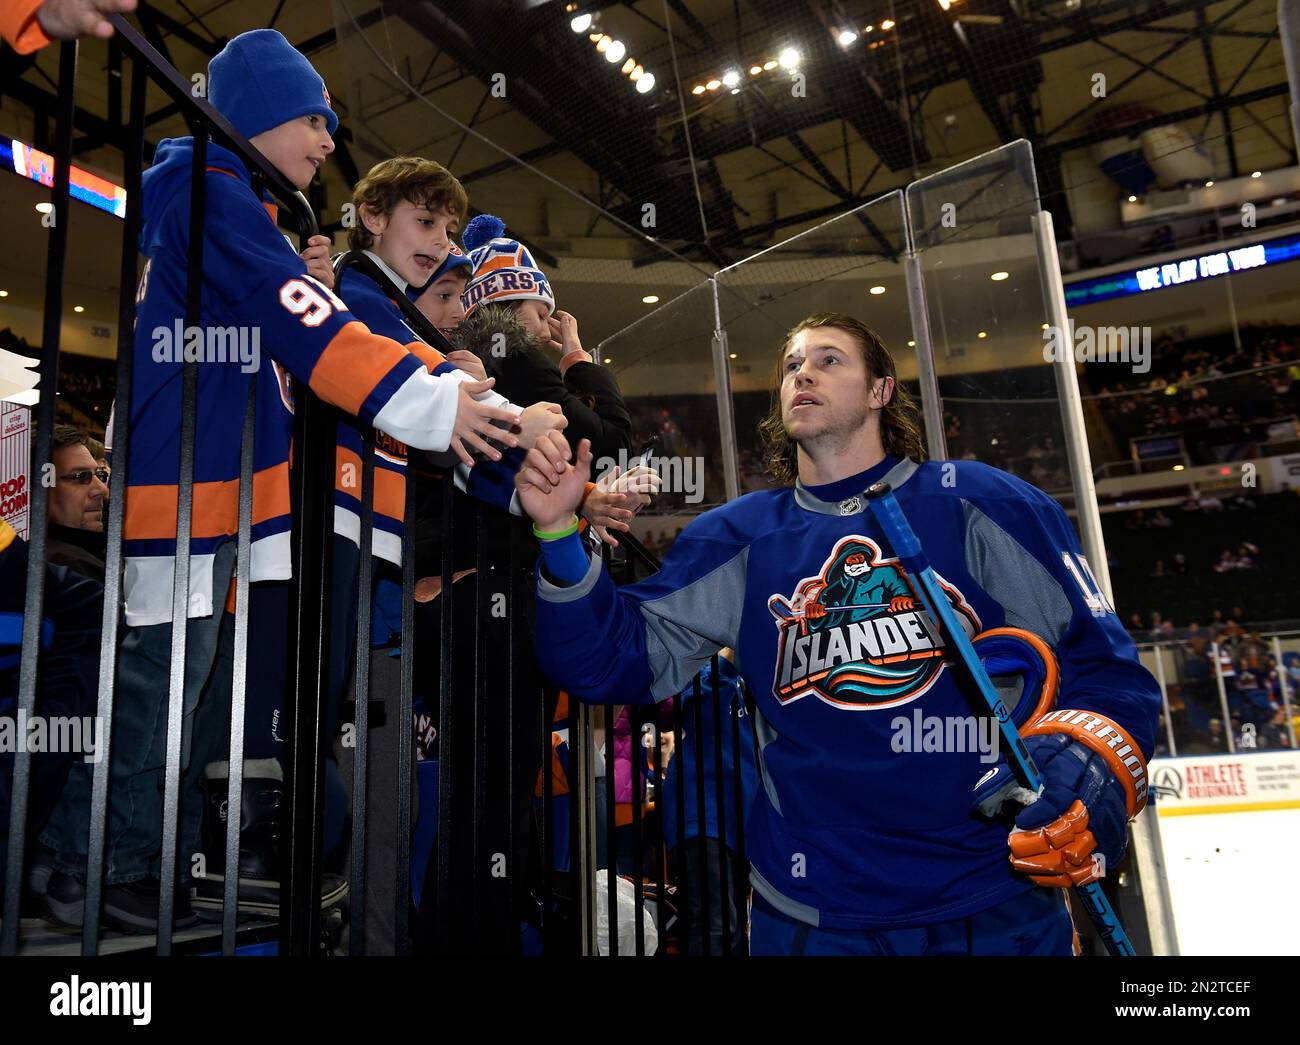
<point x="545" y="131"/>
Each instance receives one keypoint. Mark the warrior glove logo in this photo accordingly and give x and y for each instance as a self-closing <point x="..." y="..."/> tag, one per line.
<point x="856" y="635"/>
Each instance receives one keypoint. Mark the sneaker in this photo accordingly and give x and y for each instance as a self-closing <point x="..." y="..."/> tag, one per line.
<point x="131" y="907"/>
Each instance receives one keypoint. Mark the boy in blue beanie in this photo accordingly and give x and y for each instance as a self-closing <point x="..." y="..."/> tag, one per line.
<point x="257" y="292"/>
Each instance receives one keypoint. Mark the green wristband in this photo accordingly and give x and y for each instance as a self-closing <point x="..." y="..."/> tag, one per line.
<point x="555" y="535"/>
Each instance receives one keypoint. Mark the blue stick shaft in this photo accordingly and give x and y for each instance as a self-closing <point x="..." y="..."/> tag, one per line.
<point x="903" y="541"/>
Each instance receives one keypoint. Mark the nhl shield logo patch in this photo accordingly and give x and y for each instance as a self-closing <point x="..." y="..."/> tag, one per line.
<point x="857" y="635"/>
<point x="852" y="506"/>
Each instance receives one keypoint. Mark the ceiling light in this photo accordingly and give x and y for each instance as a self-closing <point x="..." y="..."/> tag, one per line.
<point x="769" y="66"/>
<point x="628" y="66"/>
<point x="581" y="24"/>
<point x="713" y="85"/>
<point x="754" y="70"/>
<point x="602" y="45"/>
<point x="945" y="4"/>
<point x="1044" y="326"/>
<point x="1209" y="184"/>
<point x="732" y="355"/>
<point x="869" y="29"/>
<point x="877" y="290"/>
<point x="1256" y="174"/>
<point x="44" y="208"/>
<point x="1132" y="199"/>
<point x="615" y="52"/>
<point x="735" y="90"/>
<point x="594" y="37"/>
<point x="846" y="37"/>
<point x="4" y="293"/>
<point x="788" y="58"/>
<point x="646" y="83"/>
<point x="608" y="360"/>
<point x="998" y="277"/>
<point x="731" y="77"/>
<point x="697" y="89"/>
<point x="911" y="344"/>
<point x="1178" y="468"/>
<point x="638" y="71"/>
<point x="78" y="308"/>
<point x="982" y="334"/>
<point x="650" y="299"/>
<point x="887" y="24"/>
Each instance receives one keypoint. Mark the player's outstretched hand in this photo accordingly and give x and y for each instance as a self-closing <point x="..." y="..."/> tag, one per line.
<point x="317" y="256"/>
<point x="550" y="487"/>
<point x="536" y="420"/>
<point x="69" y="19"/>
<point x="474" y="423"/>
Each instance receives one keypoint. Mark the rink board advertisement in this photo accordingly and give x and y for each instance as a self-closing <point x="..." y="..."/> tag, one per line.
<point x="1226" y="824"/>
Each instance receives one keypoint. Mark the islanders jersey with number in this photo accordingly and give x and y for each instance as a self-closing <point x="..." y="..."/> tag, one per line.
<point x="264" y="323"/>
<point x="868" y="750"/>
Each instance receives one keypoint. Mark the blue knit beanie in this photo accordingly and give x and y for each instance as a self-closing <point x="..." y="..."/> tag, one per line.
<point x="259" y="81"/>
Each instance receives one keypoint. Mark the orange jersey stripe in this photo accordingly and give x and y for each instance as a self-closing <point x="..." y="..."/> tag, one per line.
<point x="430" y="357"/>
<point x="151" y="510"/>
<point x="352" y="364"/>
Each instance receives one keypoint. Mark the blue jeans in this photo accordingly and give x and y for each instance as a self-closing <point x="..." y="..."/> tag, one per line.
<point x="1036" y="922"/>
<point x="133" y="834"/>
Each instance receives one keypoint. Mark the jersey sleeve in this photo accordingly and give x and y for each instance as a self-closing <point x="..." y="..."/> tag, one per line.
<point x="258" y="280"/>
<point x="1023" y="551"/>
<point x="19" y="26"/>
<point x="642" y="643"/>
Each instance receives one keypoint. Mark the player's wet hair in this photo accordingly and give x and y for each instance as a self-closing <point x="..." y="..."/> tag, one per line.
<point x="900" y="428"/>
<point x="415" y="179"/>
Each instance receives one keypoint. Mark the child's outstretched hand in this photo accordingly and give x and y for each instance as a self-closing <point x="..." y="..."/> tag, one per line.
<point x="617" y="498"/>
<point x="550" y="488"/>
<point x="538" y="419"/>
<point x="317" y="256"/>
<point x="474" y="423"/>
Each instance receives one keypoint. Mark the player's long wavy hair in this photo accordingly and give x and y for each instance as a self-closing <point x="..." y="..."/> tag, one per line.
<point x="900" y="428"/>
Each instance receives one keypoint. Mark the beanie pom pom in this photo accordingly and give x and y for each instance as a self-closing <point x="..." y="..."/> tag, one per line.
<point x="483" y="229"/>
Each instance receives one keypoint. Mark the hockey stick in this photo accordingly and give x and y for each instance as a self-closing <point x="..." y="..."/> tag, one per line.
<point x="898" y="531"/>
<point x="785" y="611"/>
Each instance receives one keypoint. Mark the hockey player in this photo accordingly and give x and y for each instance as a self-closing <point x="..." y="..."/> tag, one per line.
<point x="858" y="844"/>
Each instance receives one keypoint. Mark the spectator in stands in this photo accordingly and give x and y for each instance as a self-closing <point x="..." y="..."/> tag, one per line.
<point x="1159" y="569"/>
<point x="75" y="537"/>
<point x="587" y="393"/>
<point x="1274" y="733"/>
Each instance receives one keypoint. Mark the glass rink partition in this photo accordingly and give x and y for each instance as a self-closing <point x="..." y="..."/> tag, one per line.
<point x="435" y="794"/>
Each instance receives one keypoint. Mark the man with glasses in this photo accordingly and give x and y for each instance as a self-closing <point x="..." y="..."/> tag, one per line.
<point x="78" y="501"/>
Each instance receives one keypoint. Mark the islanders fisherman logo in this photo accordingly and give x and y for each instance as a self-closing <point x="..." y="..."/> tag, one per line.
<point x="856" y="636"/>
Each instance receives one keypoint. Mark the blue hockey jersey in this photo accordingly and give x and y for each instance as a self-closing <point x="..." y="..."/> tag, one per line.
<point x="852" y="829"/>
